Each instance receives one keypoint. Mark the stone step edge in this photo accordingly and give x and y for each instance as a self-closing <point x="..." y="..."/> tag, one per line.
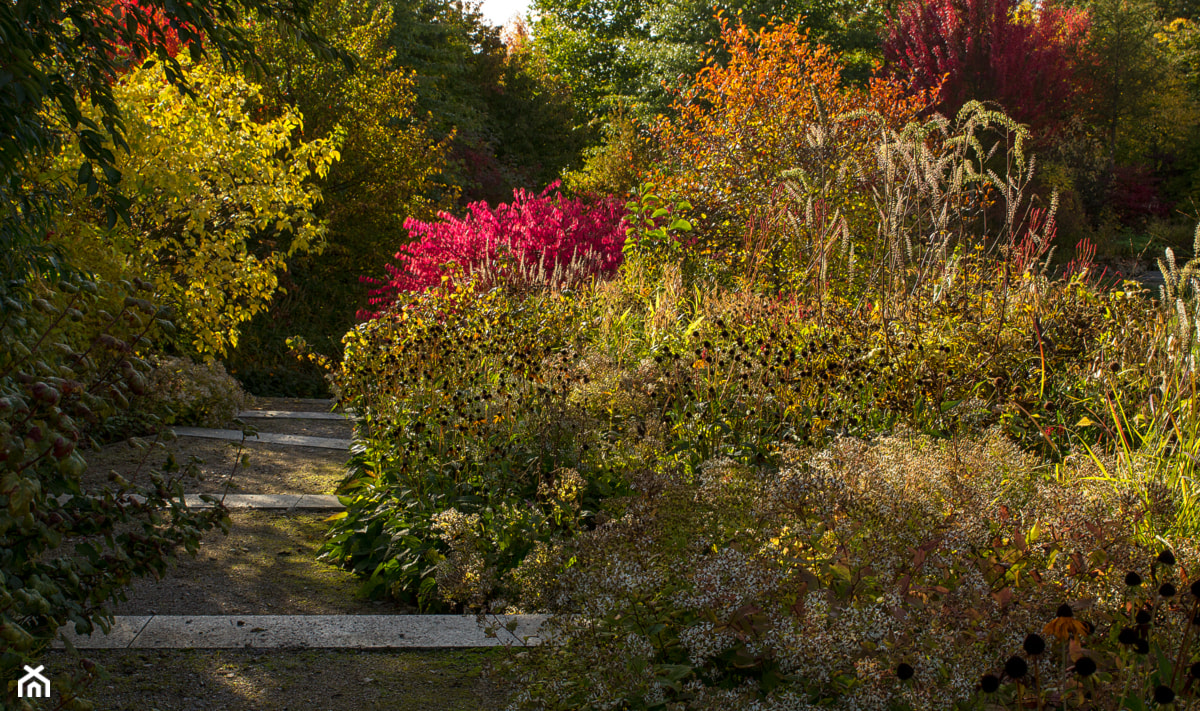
<point x="269" y="502"/>
<point x="308" y="632"/>
<point x="264" y="437"/>
<point x="258" y="502"/>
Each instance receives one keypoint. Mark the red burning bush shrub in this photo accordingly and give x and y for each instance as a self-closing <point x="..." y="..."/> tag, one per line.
<point x="537" y="240"/>
<point x="154" y="27"/>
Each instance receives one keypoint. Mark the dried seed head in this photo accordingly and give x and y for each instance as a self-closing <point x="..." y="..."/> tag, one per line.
<point x="1085" y="666"/>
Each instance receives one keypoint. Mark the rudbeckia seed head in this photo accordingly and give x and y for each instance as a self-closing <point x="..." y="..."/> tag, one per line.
<point x="1015" y="667"/>
<point x="1085" y="666"/>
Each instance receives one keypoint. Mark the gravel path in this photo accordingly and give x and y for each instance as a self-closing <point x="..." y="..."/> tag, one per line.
<point x="290" y="680"/>
<point x="267" y="565"/>
<point x="270" y="468"/>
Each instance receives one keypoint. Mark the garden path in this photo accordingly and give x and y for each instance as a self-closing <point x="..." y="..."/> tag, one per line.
<point x="261" y="588"/>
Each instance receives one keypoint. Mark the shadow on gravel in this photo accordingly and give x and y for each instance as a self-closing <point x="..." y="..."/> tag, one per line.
<point x="291" y="680"/>
<point x="272" y="468"/>
<point x="266" y="566"/>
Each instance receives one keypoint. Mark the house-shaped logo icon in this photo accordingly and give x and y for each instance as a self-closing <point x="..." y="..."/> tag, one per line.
<point x="33" y="685"/>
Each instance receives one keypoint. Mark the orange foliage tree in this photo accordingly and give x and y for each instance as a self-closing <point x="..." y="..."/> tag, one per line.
<point x="769" y="109"/>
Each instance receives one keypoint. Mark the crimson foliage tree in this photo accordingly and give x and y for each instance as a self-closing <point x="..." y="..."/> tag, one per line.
<point x="1025" y="59"/>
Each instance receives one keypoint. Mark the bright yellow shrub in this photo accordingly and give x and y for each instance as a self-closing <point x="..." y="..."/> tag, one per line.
<point x="218" y="200"/>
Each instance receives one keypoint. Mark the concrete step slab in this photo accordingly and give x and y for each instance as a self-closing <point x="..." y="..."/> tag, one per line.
<point x="287" y="415"/>
<point x="317" y="502"/>
<point x="261" y="502"/>
<point x="309" y="631"/>
<point x="267" y="437"/>
<point x="270" y="502"/>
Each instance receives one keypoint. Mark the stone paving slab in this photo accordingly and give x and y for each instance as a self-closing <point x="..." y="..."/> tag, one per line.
<point x="317" y="502"/>
<point x="285" y="415"/>
<point x="268" y="437"/>
<point x="269" y="502"/>
<point x="264" y="502"/>
<point x="308" y="631"/>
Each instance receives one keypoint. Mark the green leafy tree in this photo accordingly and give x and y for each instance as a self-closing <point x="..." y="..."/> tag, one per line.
<point x="532" y="115"/>
<point x="614" y="52"/>
<point x="393" y="166"/>
<point x="1131" y="151"/>
<point x="512" y="122"/>
<point x="1128" y="70"/>
<point x="390" y="166"/>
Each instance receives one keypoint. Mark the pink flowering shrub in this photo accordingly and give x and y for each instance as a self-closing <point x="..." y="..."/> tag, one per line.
<point x="536" y="240"/>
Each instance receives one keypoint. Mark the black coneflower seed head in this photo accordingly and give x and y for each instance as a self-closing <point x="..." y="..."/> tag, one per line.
<point x="1085" y="666"/>
<point x="1166" y="590"/>
<point x="1164" y="694"/>
<point x="1142" y="618"/>
<point x="1128" y="636"/>
<point x="1194" y="670"/>
<point x="1166" y="557"/>
<point x="990" y="683"/>
<point x="1195" y="588"/>
<point x="1141" y="647"/>
<point x="1132" y="579"/>
<point x="1064" y="610"/>
<point x="1034" y="645"/>
<point x="904" y="672"/>
<point x="1015" y="667"/>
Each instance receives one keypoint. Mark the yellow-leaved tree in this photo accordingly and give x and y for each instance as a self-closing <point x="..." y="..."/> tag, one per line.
<point x="219" y="199"/>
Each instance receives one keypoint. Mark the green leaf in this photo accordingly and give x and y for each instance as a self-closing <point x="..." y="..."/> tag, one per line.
<point x="111" y="175"/>
<point x="681" y="225"/>
<point x="949" y="405"/>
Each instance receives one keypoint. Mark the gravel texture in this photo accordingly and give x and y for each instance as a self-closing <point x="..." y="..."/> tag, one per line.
<point x="270" y="468"/>
<point x="290" y="680"/>
<point x="291" y="404"/>
<point x="308" y="428"/>
<point x="266" y="566"/>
